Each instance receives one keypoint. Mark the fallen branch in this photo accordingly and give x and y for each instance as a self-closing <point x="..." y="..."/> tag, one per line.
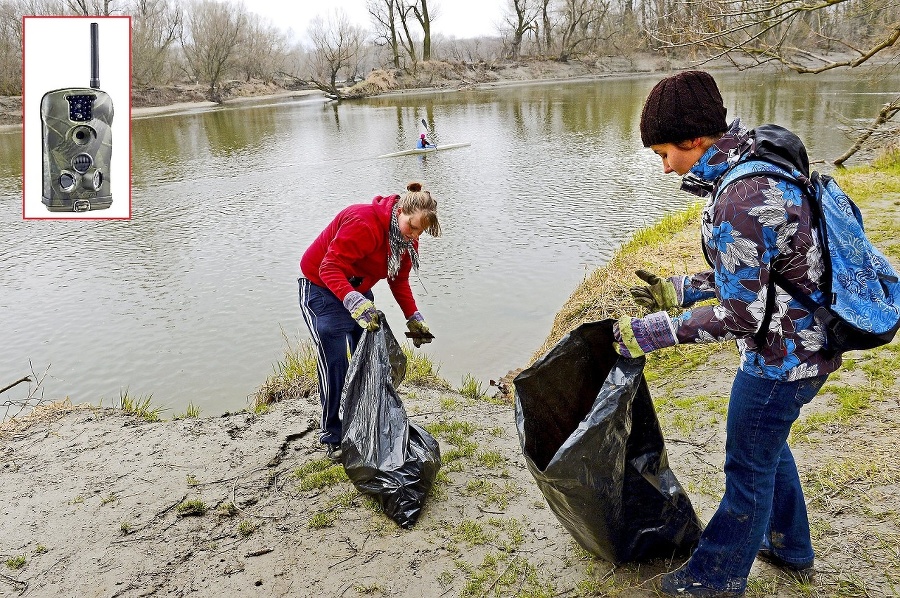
<point x="16" y="383"/>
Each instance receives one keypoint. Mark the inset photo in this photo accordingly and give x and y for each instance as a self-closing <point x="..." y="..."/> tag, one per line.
<point x="76" y="107"/>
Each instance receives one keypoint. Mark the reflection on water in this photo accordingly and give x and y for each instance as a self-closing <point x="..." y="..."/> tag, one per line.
<point x="191" y="300"/>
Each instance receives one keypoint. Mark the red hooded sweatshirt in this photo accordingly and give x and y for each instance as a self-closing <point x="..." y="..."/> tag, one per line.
<point x="356" y="243"/>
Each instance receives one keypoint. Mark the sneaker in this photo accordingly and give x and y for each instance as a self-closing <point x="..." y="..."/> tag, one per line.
<point x="333" y="452"/>
<point x="803" y="573"/>
<point x="682" y="583"/>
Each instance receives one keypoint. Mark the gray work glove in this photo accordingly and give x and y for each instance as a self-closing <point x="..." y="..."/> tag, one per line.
<point x="362" y="310"/>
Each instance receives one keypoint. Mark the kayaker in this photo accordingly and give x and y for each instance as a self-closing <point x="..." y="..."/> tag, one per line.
<point x="364" y="243"/>
<point x="423" y="143"/>
<point x="750" y="229"/>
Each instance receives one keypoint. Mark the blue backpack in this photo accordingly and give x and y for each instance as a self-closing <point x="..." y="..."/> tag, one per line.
<point x="864" y="290"/>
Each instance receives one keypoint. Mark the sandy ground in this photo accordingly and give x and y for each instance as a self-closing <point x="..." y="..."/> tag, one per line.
<point x="90" y="501"/>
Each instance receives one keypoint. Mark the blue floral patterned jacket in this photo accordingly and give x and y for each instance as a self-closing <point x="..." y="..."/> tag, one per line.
<point x="754" y="225"/>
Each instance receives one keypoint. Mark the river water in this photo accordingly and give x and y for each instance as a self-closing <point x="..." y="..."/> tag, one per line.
<point x="194" y="298"/>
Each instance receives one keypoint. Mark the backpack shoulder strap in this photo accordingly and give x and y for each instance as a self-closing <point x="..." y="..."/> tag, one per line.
<point x="754" y="167"/>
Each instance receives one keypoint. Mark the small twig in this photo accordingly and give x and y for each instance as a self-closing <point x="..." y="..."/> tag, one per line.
<point x="259" y="552"/>
<point x="499" y="577"/>
<point x="14" y="582"/>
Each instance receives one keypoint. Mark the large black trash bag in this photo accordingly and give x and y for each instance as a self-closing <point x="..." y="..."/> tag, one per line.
<point x="385" y="455"/>
<point x="591" y="440"/>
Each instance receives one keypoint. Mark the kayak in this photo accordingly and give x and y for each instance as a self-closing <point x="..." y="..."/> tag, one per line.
<point x="425" y="150"/>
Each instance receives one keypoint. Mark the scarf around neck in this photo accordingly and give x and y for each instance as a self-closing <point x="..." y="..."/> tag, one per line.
<point x="396" y="246"/>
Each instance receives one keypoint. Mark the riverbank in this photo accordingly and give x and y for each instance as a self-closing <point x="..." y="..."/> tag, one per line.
<point x="430" y="77"/>
<point x="97" y="502"/>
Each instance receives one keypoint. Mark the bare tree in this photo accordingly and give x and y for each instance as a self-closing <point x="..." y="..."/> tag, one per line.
<point x="420" y="10"/>
<point x="799" y="34"/>
<point x="384" y="16"/>
<point x="767" y="30"/>
<point x="156" y="26"/>
<point x="407" y="40"/>
<point x="10" y="51"/>
<point x="88" y="8"/>
<point x="581" y="25"/>
<point x="337" y="47"/>
<point x="211" y="38"/>
<point x="519" y="20"/>
<point x="264" y="50"/>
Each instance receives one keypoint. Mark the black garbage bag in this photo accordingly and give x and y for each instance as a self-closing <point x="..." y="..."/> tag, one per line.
<point x="592" y="441"/>
<point x="384" y="454"/>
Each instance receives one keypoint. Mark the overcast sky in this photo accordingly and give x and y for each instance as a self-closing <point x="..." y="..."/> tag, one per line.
<point x="452" y="18"/>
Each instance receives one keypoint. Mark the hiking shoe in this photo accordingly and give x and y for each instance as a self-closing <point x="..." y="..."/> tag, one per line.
<point x="333" y="452"/>
<point x="682" y="583"/>
<point x="803" y="573"/>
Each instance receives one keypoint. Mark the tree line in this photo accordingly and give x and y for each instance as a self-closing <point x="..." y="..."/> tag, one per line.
<point x="211" y="42"/>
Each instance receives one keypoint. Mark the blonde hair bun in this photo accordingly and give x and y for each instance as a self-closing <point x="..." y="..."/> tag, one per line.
<point x="414" y="187"/>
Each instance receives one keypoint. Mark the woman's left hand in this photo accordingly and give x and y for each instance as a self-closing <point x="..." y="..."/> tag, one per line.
<point x="416" y="324"/>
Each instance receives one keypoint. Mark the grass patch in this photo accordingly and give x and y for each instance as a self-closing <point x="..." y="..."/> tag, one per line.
<point x="321" y="473"/>
<point x="194" y="506"/>
<point x="671" y="244"/>
<point x="191" y="412"/>
<point x="294" y="377"/>
<point x="139" y="407"/>
<point x="491" y="459"/>
<point x="470" y="532"/>
<point x="422" y="371"/>
<point x="246" y="528"/>
<point x="322" y="519"/>
<point x="471" y="388"/>
<point x="501" y="574"/>
<point x="16" y="562"/>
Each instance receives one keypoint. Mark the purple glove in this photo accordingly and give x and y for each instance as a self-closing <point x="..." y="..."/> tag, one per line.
<point x="637" y="336"/>
<point x="362" y="310"/>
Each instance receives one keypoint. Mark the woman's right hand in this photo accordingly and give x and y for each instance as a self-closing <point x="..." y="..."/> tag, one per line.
<point x="362" y="310"/>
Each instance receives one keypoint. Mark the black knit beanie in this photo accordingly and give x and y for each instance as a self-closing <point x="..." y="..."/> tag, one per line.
<point x="682" y="106"/>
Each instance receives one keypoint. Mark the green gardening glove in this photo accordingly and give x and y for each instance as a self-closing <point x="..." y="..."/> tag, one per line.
<point x="419" y="329"/>
<point x="661" y="294"/>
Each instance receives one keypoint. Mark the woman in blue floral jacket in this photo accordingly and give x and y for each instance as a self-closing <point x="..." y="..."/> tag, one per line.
<point x="750" y="228"/>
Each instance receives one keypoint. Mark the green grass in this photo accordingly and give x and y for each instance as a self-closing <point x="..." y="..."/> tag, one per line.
<point x="321" y="473"/>
<point x="501" y="574"/>
<point x="322" y="519"/>
<point x="294" y="377"/>
<point x="422" y="371"/>
<point x="139" y="407"/>
<point x="16" y="562"/>
<point x="470" y="532"/>
<point x="193" y="506"/>
<point x="191" y="412"/>
<point x="246" y="528"/>
<point x="471" y="388"/>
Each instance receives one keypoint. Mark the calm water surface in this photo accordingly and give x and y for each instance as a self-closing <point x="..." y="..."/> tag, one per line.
<point x="193" y="300"/>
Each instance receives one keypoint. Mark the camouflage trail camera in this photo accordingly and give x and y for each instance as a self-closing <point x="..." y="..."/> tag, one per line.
<point x="77" y="144"/>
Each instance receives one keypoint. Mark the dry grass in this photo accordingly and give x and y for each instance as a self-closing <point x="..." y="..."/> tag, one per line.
<point x="667" y="248"/>
<point x="43" y="413"/>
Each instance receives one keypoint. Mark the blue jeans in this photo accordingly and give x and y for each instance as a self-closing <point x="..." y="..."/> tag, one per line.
<point x="335" y="334"/>
<point x="763" y="505"/>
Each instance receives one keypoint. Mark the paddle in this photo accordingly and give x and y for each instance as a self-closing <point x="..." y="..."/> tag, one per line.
<point x="428" y="131"/>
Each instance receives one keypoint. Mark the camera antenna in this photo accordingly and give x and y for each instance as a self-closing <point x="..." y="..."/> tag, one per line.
<point x="95" y="57"/>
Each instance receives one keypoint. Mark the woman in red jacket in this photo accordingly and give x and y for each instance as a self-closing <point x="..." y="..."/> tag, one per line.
<point x="364" y="243"/>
